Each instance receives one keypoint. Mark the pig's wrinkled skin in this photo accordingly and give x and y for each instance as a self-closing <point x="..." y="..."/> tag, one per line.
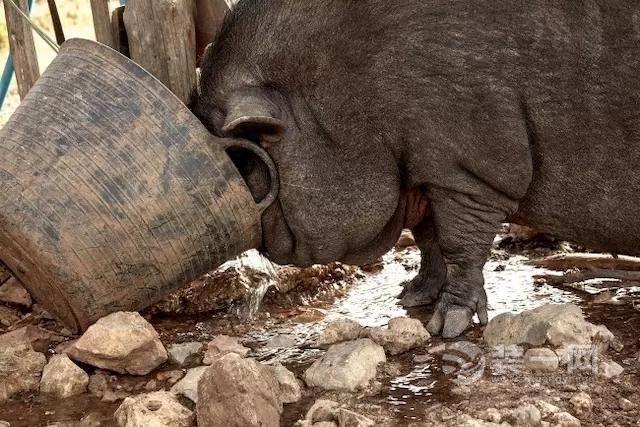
<point x="493" y="110"/>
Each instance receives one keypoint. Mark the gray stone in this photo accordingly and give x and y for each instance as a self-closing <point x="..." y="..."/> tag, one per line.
<point x="541" y="359"/>
<point x="340" y="330"/>
<point x="402" y="335"/>
<point x="26" y="338"/>
<point x="556" y="324"/>
<point x="323" y="410"/>
<point x="20" y="371"/>
<point x="221" y="345"/>
<point x="346" y="366"/>
<point x="121" y="342"/>
<point x="325" y="424"/>
<point x="188" y="385"/>
<point x="63" y="378"/>
<point x="290" y="390"/>
<point x="235" y="392"/>
<point x="185" y="353"/>
<point x="12" y="292"/>
<point x="157" y="409"/>
<point x="348" y="418"/>
<point x="281" y="341"/>
<point x="564" y="419"/>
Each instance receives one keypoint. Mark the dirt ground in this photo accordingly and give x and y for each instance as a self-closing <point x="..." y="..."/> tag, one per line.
<point x="412" y="390"/>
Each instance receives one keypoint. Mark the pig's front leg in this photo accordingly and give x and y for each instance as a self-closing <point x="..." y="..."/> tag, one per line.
<point x="465" y="227"/>
<point x="425" y="287"/>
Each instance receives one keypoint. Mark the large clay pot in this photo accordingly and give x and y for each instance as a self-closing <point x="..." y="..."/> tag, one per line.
<point x="112" y="194"/>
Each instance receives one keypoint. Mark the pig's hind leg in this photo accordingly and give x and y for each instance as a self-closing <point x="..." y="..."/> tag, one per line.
<point x="425" y="287"/>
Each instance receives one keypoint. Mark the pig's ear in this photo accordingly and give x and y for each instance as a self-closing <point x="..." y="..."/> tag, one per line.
<point x="252" y="115"/>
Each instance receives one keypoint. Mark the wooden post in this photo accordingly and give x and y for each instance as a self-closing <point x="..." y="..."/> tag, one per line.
<point x="209" y="17"/>
<point x="120" y="40"/>
<point x="23" y="50"/>
<point x="162" y="39"/>
<point x="102" y="21"/>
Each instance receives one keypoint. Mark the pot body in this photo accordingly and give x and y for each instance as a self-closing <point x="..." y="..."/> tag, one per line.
<point x="112" y="194"/>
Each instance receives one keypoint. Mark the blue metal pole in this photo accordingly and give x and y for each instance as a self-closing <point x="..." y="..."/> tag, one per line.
<point x="7" y="73"/>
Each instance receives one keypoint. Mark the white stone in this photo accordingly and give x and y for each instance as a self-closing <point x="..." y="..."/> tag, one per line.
<point x="609" y="369"/>
<point x="221" y="345"/>
<point x="343" y="329"/>
<point x="63" y="378"/>
<point x="402" y="335"/>
<point x="527" y="416"/>
<point x="491" y="414"/>
<point x="188" y="385"/>
<point x="541" y="359"/>
<point x="20" y="371"/>
<point x="236" y="392"/>
<point x="556" y="324"/>
<point x="185" y="353"/>
<point x="157" y="409"/>
<point x="290" y="390"/>
<point x="564" y="419"/>
<point x="626" y="404"/>
<point x="582" y="402"/>
<point x="546" y="408"/>
<point x="348" y="366"/>
<point x="13" y="292"/>
<point x="121" y="342"/>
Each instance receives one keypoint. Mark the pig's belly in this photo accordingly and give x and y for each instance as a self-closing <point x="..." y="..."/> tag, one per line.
<point x="601" y="213"/>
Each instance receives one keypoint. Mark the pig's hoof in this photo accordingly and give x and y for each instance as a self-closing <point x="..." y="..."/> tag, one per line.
<point x="451" y="320"/>
<point x="419" y="292"/>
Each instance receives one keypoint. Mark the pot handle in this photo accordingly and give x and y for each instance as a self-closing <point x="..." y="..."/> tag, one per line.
<point x="271" y="166"/>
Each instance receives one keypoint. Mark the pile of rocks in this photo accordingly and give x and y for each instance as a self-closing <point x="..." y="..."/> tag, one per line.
<point x="549" y="335"/>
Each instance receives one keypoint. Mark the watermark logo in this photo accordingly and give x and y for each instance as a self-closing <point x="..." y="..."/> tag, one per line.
<point x="463" y="362"/>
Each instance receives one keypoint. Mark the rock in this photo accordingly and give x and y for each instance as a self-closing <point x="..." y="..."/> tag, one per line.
<point x="221" y="345"/>
<point x="235" y="392"/>
<point x="339" y="330"/>
<point x="609" y="369"/>
<point x="63" y="378"/>
<point x="527" y="416"/>
<point x="403" y="334"/>
<point x="121" y="342"/>
<point x="20" y="371"/>
<point x="468" y="421"/>
<point x="541" y="359"/>
<point x="346" y="366"/>
<point x="406" y="239"/>
<point x="564" y="419"/>
<point x="582" y="402"/>
<point x="348" y="418"/>
<point x="290" y="390"/>
<point x="188" y="386"/>
<point x="185" y="353"/>
<point x="546" y="408"/>
<point x="323" y="410"/>
<point x="26" y="338"/>
<point x="12" y="292"/>
<point x="491" y="414"/>
<point x="157" y="409"/>
<point x="626" y="404"/>
<point x="4" y="424"/>
<point x="9" y="316"/>
<point x="557" y="324"/>
<point x="325" y="424"/>
<point x="98" y="385"/>
<point x="171" y="377"/>
<point x="281" y="341"/>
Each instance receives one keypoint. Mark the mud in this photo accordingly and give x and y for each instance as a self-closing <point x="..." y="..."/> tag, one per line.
<point x="413" y="389"/>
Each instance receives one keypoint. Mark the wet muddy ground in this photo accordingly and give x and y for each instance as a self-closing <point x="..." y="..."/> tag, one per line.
<point x="413" y="389"/>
